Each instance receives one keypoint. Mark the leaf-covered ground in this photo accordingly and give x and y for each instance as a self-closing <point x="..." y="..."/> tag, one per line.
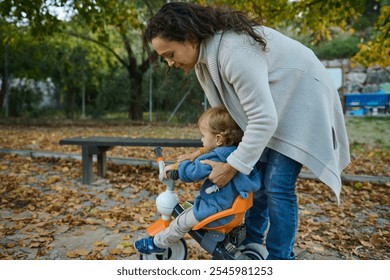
<point x="46" y="213"/>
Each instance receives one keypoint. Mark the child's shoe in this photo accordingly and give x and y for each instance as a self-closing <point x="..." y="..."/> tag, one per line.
<point x="146" y="246"/>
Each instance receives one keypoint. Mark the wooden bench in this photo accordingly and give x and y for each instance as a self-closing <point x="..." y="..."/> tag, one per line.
<point x="100" y="145"/>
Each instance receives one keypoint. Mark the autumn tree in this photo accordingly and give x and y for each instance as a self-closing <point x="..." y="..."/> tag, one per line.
<point x="104" y="21"/>
<point x="376" y="51"/>
<point x="116" y="26"/>
<point x="21" y="55"/>
<point x="125" y="20"/>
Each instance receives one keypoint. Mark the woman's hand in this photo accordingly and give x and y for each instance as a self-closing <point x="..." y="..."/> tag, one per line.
<point x="221" y="174"/>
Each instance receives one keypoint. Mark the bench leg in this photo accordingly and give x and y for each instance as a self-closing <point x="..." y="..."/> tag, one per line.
<point x="87" y="157"/>
<point x="101" y="164"/>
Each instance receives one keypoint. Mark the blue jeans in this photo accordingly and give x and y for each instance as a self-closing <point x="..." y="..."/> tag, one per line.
<point x="275" y="205"/>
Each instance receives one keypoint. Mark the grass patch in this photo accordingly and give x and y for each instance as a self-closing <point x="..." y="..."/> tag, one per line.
<point x="371" y="131"/>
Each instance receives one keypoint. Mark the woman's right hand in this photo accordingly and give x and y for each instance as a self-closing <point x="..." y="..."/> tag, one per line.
<point x="221" y="174"/>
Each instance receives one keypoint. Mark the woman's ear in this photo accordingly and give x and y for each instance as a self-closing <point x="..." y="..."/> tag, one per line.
<point x="219" y="139"/>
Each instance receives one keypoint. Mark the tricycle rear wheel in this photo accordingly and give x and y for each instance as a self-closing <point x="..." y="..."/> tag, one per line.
<point x="254" y="251"/>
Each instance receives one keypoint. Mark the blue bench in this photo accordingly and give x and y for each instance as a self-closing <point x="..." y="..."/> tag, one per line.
<point x="362" y="102"/>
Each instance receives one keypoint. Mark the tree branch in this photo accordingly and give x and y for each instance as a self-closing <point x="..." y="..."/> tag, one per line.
<point x="86" y="38"/>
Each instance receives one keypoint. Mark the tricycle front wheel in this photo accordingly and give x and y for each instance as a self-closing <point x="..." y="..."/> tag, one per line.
<point x="177" y="251"/>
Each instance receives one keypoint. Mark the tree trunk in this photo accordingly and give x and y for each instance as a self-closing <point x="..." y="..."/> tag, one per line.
<point x="70" y="97"/>
<point x="2" y="95"/>
<point x="135" y="105"/>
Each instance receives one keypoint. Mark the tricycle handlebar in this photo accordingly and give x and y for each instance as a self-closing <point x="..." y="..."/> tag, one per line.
<point x="158" y="152"/>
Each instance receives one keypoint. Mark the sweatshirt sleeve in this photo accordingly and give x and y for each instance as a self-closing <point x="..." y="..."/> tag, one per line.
<point x="247" y="71"/>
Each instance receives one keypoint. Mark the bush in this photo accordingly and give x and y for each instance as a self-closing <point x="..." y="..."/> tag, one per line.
<point x="340" y="47"/>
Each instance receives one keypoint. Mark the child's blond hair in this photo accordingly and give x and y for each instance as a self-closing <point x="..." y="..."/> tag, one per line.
<point x="219" y="121"/>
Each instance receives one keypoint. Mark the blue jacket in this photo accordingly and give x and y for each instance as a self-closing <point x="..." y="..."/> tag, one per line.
<point x="208" y="204"/>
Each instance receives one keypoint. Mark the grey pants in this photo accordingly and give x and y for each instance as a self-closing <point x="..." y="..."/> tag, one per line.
<point x="176" y="230"/>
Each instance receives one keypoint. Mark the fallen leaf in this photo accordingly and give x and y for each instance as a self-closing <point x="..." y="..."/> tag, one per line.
<point x="78" y="252"/>
<point x="100" y="244"/>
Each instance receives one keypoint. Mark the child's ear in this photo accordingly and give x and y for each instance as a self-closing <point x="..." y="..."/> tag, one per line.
<point x="219" y="139"/>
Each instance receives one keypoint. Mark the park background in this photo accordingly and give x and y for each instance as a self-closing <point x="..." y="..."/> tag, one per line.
<point x="78" y="68"/>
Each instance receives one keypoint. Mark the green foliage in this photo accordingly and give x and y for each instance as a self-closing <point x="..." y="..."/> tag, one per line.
<point x="98" y="48"/>
<point x="376" y="51"/>
<point x="70" y="63"/>
<point x="339" y="47"/>
<point x="23" y="99"/>
<point x="35" y="14"/>
<point x="168" y="92"/>
<point x="304" y="16"/>
<point x="112" y="93"/>
<point x="318" y="19"/>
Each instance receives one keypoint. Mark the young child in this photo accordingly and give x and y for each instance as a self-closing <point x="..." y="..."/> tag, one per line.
<point x="220" y="137"/>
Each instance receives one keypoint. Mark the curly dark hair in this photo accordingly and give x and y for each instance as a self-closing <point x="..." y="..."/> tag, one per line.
<point x="181" y="21"/>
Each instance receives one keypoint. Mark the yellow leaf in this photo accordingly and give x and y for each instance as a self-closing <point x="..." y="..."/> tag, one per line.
<point x="126" y="244"/>
<point x="53" y="179"/>
<point x="134" y="227"/>
<point x="125" y="237"/>
<point x="128" y="250"/>
<point x="111" y="224"/>
<point x="35" y="244"/>
<point x="100" y="243"/>
<point x="365" y="243"/>
<point x="319" y="248"/>
<point x="115" y="251"/>
<point x="317" y="237"/>
<point x="72" y="254"/>
<point x="77" y="252"/>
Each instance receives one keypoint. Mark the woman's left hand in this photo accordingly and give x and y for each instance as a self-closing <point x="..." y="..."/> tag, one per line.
<point x="221" y="174"/>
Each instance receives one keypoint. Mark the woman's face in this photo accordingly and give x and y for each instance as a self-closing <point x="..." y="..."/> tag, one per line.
<point x="183" y="55"/>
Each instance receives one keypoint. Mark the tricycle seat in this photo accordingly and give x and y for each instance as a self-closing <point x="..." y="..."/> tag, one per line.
<point x="238" y="209"/>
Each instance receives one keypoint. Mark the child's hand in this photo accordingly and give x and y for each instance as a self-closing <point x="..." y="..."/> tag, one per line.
<point x="167" y="169"/>
<point x="190" y="157"/>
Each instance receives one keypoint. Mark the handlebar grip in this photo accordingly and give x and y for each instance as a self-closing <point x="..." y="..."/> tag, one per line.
<point x="173" y="174"/>
<point x="158" y="152"/>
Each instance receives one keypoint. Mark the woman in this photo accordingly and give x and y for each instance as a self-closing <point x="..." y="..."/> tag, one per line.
<point x="277" y="91"/>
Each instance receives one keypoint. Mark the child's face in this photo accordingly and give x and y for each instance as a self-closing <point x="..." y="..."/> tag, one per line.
<point x="209" y="140"/>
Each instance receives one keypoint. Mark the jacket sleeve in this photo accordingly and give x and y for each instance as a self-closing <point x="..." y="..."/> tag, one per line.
<point x="193" y="171"/>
